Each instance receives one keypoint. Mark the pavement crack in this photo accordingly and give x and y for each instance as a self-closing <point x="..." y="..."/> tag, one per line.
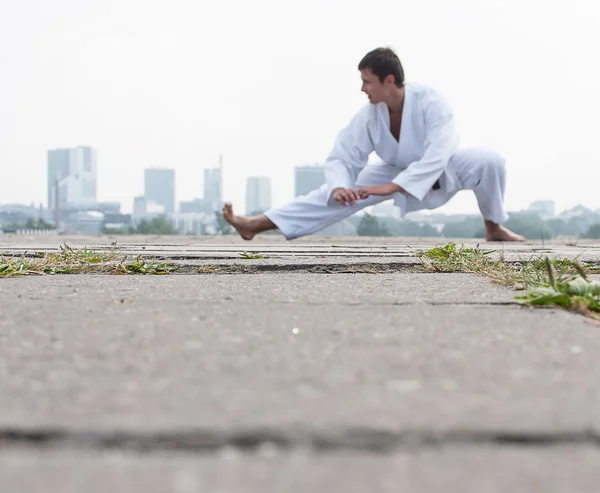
<point x="251" y="440"/>
<point x="304" y="268"/>
<point x="398" y="303"/>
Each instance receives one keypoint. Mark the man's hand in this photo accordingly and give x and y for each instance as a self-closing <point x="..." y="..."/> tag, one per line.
<point x="345" y="196"/>
<point x="387" y="189"/>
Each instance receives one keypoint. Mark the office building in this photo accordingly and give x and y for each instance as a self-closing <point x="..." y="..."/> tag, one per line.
<point x="308" y="178"/>
<point x="72" y="178"/>
<point x="159" y="187"/>
<point x="197" y="206"/>
<point x="213" y="188"/>
<point x="258" y="194"/>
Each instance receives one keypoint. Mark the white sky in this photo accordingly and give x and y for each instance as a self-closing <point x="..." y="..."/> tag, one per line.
<point x="269" y="83"/>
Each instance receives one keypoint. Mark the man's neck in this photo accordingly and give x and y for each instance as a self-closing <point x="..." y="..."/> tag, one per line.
<point x="396" y="101"/>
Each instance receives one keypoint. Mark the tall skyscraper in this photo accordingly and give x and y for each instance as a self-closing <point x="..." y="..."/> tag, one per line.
<point x="159" y="187"/>
<point x="74" y="172"/>
<point x="258" y="194"/>
<point x="196" y="206"/>
<point x="58" y="169"/>
<point x="213" y="186"/>
<point x="308" y="178"/>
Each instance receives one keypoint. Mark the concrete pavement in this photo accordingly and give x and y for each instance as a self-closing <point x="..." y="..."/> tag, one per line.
<point x="293" y="381"/>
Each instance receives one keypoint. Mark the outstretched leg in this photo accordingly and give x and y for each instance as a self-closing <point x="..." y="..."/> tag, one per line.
<point x="310" y="213"/>
<point x="247" y="227"/>
<point x="307" y="214"/>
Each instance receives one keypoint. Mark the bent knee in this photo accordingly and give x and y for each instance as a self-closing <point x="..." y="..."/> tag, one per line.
<point x="494" y="160"/>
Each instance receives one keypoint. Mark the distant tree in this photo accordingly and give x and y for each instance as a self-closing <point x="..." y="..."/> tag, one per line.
<point x="156" y="226"/>
<point x="41" y="224"/>
<point x="529" y="225"/>
<point x="410" y="228"/>
<point x="391" y="224"/>
<point x="369" y="226"/>
<point x="557" y="226"/>
<point x="354" y="220"/>
<point x="593" y="232"/>
<point x="143" y="227"/>
<point x="470" y="227"/>
<point x="577" y="225"/>
<point x="30" y="224"/>
<point x="11" y="227"/>
<point x="127" y="230"/>
<point x="398" y="227"/>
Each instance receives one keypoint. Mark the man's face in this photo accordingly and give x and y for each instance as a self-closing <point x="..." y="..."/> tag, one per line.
<point x="373" y="87"/>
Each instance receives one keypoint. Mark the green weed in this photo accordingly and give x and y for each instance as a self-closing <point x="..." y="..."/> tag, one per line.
<point x="247" y="255"/>
<point x="85" y="261"/>
<point x="579" y="294"/>
<point x="560" y="282"/>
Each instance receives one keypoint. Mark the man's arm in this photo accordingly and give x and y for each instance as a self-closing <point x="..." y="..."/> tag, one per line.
<point x="386" y="189"/>
<point x="441" y="141"/>
<point x="350" y="152"/>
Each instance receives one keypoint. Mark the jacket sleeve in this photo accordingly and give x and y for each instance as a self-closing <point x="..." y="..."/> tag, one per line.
<point x="441" y="142"/>
<point x="350" y="152"/>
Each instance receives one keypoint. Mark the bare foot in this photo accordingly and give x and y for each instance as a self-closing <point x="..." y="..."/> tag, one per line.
<point x="500" y="233"/>
<point x="242" y="224"/>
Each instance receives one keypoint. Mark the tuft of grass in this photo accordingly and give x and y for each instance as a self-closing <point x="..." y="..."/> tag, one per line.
<point x="85" y="261"/>
<point x="560" y="282"/>
<point x="593" y="269"/>
<point x="517" y="275"/>
<point x="533" y="273"/>
<point x="451" y="258"/>
<point x="247" y="255"/>
<point x="579" y="295"/>
<point x="141" y="266"/>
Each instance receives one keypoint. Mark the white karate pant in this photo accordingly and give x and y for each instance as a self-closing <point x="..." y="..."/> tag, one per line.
<point x="480" y="170"/>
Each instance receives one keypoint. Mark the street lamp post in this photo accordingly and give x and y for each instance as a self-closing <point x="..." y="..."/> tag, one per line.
<point x="57" y="183"/>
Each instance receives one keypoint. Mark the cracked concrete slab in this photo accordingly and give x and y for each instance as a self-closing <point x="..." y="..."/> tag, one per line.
<point x="172" y="356"/>
<point x="379" y="289"/>
<point x="465" y="470"/>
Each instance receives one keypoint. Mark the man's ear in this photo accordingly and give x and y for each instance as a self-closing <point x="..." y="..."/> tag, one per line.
<point x="390" y="79"/>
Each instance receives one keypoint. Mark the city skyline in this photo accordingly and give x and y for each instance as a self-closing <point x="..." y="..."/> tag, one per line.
<point x="306" y="178"/>
<point x="207" y="173"/>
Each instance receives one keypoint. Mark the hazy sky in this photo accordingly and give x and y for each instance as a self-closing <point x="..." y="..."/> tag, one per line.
<point x="269" y="83"/>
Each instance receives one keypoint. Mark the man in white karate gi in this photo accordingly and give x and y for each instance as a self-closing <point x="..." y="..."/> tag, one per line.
<point x="410" y="127"/>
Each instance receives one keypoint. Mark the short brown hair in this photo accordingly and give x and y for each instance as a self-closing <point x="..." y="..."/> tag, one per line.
<point x="383" y="62"/>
